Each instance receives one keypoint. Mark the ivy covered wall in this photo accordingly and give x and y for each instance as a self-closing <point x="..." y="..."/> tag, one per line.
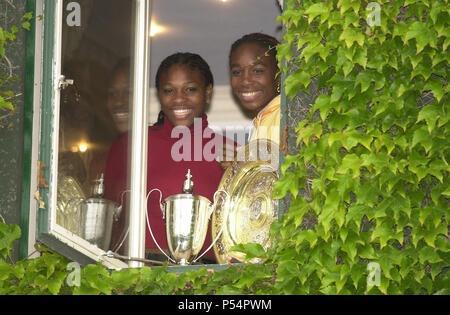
<point x="11" y="124"/>
<point x="373" y="153"/>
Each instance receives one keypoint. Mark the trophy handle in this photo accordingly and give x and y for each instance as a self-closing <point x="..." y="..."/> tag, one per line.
<point x="118" y="209"/>
<point x="148" y="222"/>
<point x="211" y="209"/>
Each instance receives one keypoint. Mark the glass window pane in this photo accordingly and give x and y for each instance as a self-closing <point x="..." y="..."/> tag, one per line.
<point x="95" y="100"/>
<point x="95" y="107"/>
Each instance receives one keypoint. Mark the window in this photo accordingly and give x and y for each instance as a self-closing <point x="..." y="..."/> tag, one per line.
<point x="96" y="74"/>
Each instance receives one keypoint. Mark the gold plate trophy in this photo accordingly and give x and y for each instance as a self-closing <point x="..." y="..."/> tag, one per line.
<point x="248" y="213"/>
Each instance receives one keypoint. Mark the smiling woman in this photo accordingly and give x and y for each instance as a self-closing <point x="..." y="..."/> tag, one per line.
<point x="184" y="83"/>
<point x="255" y="83"/>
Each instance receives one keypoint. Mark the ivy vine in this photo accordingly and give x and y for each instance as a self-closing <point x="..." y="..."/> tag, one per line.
<point x="374" y="151"/>
<point x="7" y="96"/>
<point x="373" y="158"/>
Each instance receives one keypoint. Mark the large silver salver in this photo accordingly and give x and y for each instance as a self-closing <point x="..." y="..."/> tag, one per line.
<point x="97" y="216"/>
<point x="186" y="217"/>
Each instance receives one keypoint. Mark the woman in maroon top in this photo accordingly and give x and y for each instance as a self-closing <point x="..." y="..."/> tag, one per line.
<point x="179" y="141"/>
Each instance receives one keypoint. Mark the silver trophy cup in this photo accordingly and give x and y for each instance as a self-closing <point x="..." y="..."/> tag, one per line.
<point x="186" y="217"/>
<point x="96" y="217"/>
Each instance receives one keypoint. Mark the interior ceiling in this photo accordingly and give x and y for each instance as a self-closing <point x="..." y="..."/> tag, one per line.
<point x="206" y="27"/>
<point x="209" y="27"/>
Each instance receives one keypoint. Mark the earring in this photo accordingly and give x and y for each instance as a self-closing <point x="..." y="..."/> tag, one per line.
<point x="279" y="88"/>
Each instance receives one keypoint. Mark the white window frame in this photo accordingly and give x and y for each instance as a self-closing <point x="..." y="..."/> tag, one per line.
<point x="55" y="235"/>
<point x="47" y="94"/>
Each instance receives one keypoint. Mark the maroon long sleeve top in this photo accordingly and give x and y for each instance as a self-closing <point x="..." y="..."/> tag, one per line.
<point x="168" y="162"/>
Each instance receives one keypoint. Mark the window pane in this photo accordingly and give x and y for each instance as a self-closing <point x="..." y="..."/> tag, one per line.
<point x="96" y="55"/>
<point x="95" y="113"/>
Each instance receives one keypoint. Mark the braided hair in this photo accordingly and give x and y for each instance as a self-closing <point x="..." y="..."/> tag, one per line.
<point x="263" y="40"/>
<point x="193" y="61"/>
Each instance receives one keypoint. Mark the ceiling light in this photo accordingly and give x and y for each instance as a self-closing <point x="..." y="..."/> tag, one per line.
<point x="155" y="29"/>
<point x="83" y="147"/>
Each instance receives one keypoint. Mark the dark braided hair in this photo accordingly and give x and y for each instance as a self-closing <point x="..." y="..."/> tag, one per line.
<point x="193" y="61"/>
<point x="263" y="40"/>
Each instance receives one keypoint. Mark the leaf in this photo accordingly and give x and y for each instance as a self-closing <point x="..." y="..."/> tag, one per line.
<point x="437" y="7"/>
<point x="251" y="250"/>
<point x="124" y="279"/>
<point x="50" y="262"/>
<point x="350" y="162"/>
<point x="344" y="5"/>
<point x="97" y="277"/>
<point x="5" y="270"/>
<point x="375" y="161"/>
<point x="437" y="168"/>
<point x="400" y="29"/>
<point x="364" y="78"/>
<point x="376" y="62"/>
<point x="299" y="80"/>
<point x="328" y="210"/>
<point x="307" y="235"/>
<point x="355" y="214"/>
<point x="288" y="183"/>
<point x="360" y="56"/>
<point x="430" y="114"/>
<point x="350" y="246"/>
<point x="350" y="36"/>
<point x="5" y="104"/>
<point x="8" y="234"/>
<point x="26" y="25"/>
<point x="390" y="259"/>
<point x="313" y="130"/>
<point x="317" y="9"/>
<point x="54" y="285"/>
<point x="422" y="34"/>
<point x="289" y="160"/>
<point x="422" y="136"/>
<point x="287" y="270"/>
<point x="428" y="254"/>
<point x="323" y="104"/>
<point x="384" y="232"/>
<point x="436" y="87"/>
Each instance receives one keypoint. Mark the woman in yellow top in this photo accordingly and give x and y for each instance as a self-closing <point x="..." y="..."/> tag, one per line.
<point x="255" y="84"/>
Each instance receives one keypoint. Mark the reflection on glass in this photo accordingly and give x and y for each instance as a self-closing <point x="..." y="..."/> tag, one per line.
<point x="94" y="110"/>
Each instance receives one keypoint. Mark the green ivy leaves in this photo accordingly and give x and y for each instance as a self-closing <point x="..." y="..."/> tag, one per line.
<point x="374" y="152"/>
<point x="7" y="105"/>
<point x="373" y="164"/>
<point x="8" y="234"/>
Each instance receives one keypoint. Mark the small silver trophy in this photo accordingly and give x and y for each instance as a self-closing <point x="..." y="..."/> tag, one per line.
<point x="186" y="217"/>
<point x="96" y="217"/>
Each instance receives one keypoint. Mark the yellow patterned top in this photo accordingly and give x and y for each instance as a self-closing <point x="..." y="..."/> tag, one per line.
<point x="267" y="122"/>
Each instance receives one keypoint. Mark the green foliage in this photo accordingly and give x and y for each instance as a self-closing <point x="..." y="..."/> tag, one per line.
<point x="373" y="159"/>
<point x="51" y="273"/>
<point x="374" y="151"/>
<point x="7" y="96"/>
